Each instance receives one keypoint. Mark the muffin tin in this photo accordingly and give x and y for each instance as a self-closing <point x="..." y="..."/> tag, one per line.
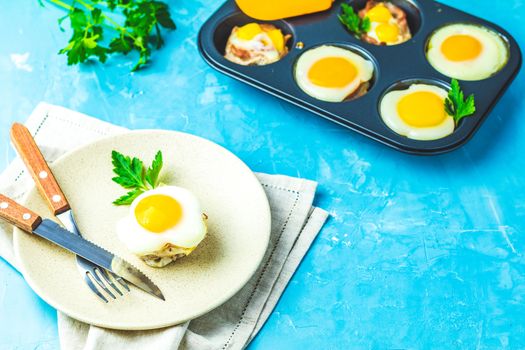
<point x="396" y="67"/>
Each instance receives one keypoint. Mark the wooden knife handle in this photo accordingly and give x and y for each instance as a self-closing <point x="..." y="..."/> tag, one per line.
<point x="38" y="168"/>
<point x="18" y="215"/>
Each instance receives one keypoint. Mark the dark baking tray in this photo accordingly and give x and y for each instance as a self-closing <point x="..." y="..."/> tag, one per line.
<point x="395" y="66"/>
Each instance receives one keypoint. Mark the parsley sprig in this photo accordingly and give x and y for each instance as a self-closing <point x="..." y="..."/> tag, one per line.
<point x="352" y="21"/>
<point x="456" y="105"/>
<point x="97" y="34"/>
<point x="134" y="176"/>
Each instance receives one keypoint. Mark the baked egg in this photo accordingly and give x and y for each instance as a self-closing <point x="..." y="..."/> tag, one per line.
<point x="256" y="44"/>
<point x="467" y="51"/>
<point x="333" y="74"/>
<point x="417" y="112"/>
<point x="388" y="24"/>
<point x="163" y="224"/>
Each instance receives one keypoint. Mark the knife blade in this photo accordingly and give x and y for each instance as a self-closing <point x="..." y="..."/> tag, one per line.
<point x="31" y="222"/>
<point x="53" y="232"/>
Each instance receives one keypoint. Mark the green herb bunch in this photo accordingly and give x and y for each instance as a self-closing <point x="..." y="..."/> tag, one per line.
<point x="97" y="33"/>
<point x="134" y="176"/>
<point x="456" y="105"/>
<point x="351" y="20"/>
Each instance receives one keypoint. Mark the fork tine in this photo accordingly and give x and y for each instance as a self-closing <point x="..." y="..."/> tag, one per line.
<point x="105" y="275"/>
<point x="120" y="280"/>
<point x="93" y="288"/>
<point x="97" y="279"/>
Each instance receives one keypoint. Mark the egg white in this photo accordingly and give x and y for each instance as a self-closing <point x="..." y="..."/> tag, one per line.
<point x="187" y="233"/>
<point x="389" y="114"/>
<point x="493" y="57"/>
<point x="372" y="32"/>
<point x="364" y="67"/>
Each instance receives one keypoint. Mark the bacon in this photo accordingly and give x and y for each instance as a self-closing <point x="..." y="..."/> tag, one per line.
<point x="242" y="54"/>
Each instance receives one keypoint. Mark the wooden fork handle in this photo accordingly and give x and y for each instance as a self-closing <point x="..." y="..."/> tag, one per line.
<point x="18" y="215"/>
<point x="38" y="168"/>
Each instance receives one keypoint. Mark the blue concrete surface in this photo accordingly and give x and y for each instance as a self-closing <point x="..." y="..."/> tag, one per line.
<point x="420" y="253"/>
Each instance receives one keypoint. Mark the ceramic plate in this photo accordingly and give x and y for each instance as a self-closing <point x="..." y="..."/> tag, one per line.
<point x="231" y="196"/>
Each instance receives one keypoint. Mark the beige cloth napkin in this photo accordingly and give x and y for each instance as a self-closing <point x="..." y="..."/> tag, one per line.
<point x="295" y="224"/>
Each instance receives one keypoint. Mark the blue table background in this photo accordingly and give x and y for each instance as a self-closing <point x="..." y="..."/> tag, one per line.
<point x="420" y="252"/>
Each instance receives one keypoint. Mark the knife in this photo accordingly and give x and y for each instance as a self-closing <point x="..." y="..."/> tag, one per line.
<point x="31" y="222"/>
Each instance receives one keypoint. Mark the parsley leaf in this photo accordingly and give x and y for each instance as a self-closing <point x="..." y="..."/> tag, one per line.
<point x="97" y="34"/>
<point x="87" y="33"/>
<point x="128" y="198"/>
<point x="352" y="21"/>
<point x="130" y="171"/>
<point x="162" y="14"/>
<point x="152" y="174"/>
<point x="455" y="103"/>
<point x="133" y="175"/>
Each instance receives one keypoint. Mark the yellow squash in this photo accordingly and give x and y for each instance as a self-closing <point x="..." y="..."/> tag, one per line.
<point x="269" y="10"/>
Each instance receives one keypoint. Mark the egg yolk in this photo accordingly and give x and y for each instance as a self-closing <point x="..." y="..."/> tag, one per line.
<point x="387" y="33"/>
<point x="250" y="30"/>
<point x="379" y="13"/>
<point x="332" y="72"/>
<point x="158" y="212"/>
<point x="461" y="47"/>
<point x="277" y="38"/>
<point x="421" y="109"/>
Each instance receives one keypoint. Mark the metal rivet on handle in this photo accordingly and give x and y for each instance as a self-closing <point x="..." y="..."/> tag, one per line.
<point x="26" y="216"/>
<point x="42" y="174"/>
<point x="56" y="198"/>
<point x="4" y="205"/>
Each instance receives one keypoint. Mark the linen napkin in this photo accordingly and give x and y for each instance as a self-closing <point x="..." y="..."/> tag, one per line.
<point x="295" y="224"/>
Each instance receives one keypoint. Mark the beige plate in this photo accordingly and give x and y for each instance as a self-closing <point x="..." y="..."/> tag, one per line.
<point x="231" y="196"/>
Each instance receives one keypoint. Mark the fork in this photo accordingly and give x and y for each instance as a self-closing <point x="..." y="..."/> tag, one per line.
<point x="49" y="188"/>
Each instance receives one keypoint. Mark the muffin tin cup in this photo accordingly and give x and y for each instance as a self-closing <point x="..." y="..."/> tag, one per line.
<point x="393" y="65"/>
<point x="358" y="50"/>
